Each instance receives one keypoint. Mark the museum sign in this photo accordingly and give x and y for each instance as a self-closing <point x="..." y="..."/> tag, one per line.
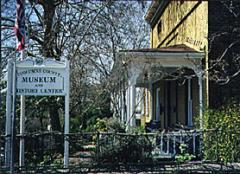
<point x="41" y="77"/>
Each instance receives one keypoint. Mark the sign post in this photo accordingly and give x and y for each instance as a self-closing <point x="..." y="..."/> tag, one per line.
<point x="37" y="77"/>
<point x="66" y="119"/>
<point x="8" y="114"/>
<point x="13" y="132"/>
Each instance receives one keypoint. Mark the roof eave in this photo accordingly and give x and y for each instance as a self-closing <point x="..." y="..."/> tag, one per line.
<point x="165" y="55"/>
<point x="152" y="19"/>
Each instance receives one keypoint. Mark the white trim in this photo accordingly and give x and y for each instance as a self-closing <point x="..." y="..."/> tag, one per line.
<point x="31" y="62"/>
<point x="139" y="60"/>
<point x="161" y="55"/>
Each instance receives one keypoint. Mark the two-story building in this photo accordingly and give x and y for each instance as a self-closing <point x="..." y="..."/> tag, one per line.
<point x="167" y="85"/>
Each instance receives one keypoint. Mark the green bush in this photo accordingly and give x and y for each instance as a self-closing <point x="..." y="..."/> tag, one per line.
<point x="124" y="148"/>
<point x="222" y="142"/>
<point x="106" y="125"/>
<point x="183" y="156"/>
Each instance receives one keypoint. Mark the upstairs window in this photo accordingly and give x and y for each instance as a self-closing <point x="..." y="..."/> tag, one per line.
<point x="159" y="29"/>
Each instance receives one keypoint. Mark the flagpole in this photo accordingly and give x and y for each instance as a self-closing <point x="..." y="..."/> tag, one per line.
<point x="21" y="37"/>
<point x="22" y="125"/>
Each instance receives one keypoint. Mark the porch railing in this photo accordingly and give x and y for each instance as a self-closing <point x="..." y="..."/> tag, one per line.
<point x="167" y="143"/>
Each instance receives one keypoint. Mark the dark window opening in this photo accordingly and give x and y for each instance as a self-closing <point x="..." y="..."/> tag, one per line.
<point x="159" y="28"/>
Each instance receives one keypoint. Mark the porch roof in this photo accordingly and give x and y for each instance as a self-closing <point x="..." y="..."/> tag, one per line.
<point x="174" y="48"/>
<point x="138" y="62"/>
<point x="172" y="56"/>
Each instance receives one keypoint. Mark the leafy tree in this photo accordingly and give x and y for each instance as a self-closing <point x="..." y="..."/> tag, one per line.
<point x="87" y="33"/>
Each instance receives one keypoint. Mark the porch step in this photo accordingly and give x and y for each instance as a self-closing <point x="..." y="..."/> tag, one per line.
<point x="162" y="154"/>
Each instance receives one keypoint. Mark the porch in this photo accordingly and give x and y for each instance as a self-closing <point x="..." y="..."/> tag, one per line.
<point x="162" y="87"/>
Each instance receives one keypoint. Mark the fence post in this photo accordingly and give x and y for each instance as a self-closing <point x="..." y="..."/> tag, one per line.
<point x="97" y="147"/>
<point x="174" y="144"/>
<point x="194" y="142"/>
<point x="201" y="148"/>
<point x="168" y="143"/>
<point x="161" y="145"/>
<point x="217" y="150"/>
<point x="232" y="139"/>
<point x="181" y="137"/>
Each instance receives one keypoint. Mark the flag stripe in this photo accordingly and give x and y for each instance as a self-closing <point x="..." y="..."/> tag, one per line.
<point x="20" y="25"/>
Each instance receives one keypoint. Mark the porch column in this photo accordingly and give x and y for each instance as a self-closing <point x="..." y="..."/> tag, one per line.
<point x="190" y="118"/>
<point x="200" y="83"/>
<point x="151" y="101"/>
<point x="132" y="98"/>
<point x="127" y="107"/>
<point x="119" y="106"/>
<point x="122" y="107"/>
<point x="134" y="70"/>
<point x="130" y="102"/>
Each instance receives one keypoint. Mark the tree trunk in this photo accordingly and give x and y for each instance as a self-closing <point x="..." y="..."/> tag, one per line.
<point x="48" y="41"/>
<point x="54" y="118"/>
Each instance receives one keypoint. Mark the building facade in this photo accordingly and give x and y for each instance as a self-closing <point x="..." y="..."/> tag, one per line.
<point x="167" y="85"/>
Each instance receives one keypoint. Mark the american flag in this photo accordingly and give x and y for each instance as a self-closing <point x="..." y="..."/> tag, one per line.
<point x="20" y="25"/>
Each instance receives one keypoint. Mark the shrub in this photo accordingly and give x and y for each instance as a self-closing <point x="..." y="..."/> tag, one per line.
<point x="125" y="148"/>
<point x="223" y="142"/>
<point x="107" y="125"/>
<point x="183" y="156"/>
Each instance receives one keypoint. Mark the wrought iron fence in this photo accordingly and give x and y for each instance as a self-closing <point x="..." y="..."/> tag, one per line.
<point x="94" y="148"/>
<point x="2" y="144"/>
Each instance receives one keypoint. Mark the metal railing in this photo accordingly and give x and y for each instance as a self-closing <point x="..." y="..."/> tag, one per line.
<point x="46" y="149"/>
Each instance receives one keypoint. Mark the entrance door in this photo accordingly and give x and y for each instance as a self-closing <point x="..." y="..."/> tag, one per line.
<point x="169" y="103"/>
